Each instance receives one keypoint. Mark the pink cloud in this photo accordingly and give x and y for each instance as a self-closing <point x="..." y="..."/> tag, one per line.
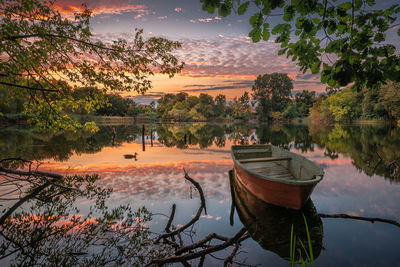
<point x="69" y="7"/>
<point x="205" y="20"/>
<point x="239" y="57"/>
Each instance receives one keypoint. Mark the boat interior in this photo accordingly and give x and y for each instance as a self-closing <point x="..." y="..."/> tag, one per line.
<point x="273" y="162"/>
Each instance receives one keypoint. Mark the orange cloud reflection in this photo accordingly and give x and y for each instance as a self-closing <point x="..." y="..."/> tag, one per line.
<point x="157" y="181"/>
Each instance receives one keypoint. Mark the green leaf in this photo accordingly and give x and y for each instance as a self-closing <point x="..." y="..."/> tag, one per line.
<point x="331" y="26"/>
<point x="370" y="2"/>
<point x="345" y="6"/>
<point x="266" y="33"/>
<point x="255" y="35"/>
<point x="256" y="20"/>
<point x="289" y="13"/>
<point x="380" y="37"/>
<point x="242" y="9"/>
<point x="332" y="82"/>
<point x="225" y="9"/>
<point x="316" y="20"/>
<point x="358" y="4"/>
<point x="282" y="51"/>
<point x="315" y="68"/>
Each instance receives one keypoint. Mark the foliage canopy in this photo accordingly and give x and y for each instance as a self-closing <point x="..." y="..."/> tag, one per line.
<point x="345" y="41"/>
<point x="43" y="53"/>
<point x="272" y="91"/>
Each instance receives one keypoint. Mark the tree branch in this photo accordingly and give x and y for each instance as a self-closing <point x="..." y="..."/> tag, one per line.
<point x="27" y="87"/>
<point x="195" y="218"/>
<point x="369" y="219"/>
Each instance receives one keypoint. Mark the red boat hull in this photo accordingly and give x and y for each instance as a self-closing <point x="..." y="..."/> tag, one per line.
<point x="276" y="193"/>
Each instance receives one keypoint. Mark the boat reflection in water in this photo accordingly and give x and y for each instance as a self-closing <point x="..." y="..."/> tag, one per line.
<point x="271" y="225"/>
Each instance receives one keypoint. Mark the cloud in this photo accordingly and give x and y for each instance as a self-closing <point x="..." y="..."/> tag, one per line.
<point x="215" y="19"/>
<point x="215" y="88"/>
<point x="224" y="85"/>
<point x="69" y="7"/>
<point x="147" y="98"/>
<point x="178" y="9"/>
<point x="158" y="181"/>
<point x="227" y="56"/>
<point x="231" y="56"/>
<point x="205" y="20"/>
<point x="163" y="17"/>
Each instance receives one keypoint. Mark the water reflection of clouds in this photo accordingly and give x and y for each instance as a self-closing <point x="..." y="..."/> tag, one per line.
<point x="158" y="181"/>
<point x="344" y="189"/>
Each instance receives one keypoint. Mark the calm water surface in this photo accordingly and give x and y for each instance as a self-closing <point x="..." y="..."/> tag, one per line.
<point x="360" y="163"/>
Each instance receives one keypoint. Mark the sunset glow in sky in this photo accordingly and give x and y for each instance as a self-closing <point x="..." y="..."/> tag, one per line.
<point x="219" y="57"/>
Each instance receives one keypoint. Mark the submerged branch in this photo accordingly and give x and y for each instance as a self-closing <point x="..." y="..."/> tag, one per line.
<point x="240" y="236"/>
<point x="187" y="253"/>
<point x="195" y="218"/>
<point x="372" y="220"/>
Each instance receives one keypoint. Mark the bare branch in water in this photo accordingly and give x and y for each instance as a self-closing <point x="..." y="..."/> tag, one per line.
<point x="369" y="219"/>
<point x="195" y="218"/>
<point x="186" y="253"/>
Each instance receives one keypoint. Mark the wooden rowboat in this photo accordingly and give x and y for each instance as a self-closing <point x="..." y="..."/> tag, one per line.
<point x="275" y="175"/>
<point x="271" y="226"/>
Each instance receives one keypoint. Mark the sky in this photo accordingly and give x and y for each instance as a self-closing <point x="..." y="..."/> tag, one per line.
<point x="219" y="57"/>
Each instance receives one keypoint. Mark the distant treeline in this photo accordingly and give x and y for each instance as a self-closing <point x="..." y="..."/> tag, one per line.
<point x="112" y="104"/>
<point x="270" y="99"/>
<point x="182" y="107"/>
<point x="347" y="105"/>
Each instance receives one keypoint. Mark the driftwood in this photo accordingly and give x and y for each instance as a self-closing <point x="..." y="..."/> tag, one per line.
<point x="369" y="219"/>
<point x="195" y="218"/>
<point x="200" y="248"/>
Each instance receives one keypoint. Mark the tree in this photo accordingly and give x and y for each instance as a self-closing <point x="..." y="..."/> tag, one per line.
<point x="205" y="107"/>
<point x="236" y="106"/>
<point x="272" y="91"/>
<point x="320" y="112"/>
<point x="304" y="102"/>
<point x="220" y="102"/>
<point x="343" y="105"/>
<point x="345" y="41"/>
<point x="41" y="52"/>
<point x="389" y="96"/>
<point x="371" y="107"/>
<point x="290" y="112"/>
<point x="245" y="99"/>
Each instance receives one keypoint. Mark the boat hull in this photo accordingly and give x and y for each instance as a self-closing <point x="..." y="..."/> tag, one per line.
<point x="291" y="196"/>
<point x="272" y="226"/>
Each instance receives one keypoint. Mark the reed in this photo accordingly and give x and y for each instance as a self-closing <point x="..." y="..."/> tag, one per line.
<point x="309" y="257"/>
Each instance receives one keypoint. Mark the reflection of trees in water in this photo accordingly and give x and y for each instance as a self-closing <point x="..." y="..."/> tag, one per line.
<point x="60" y="146"/>
<point x="375" y="150"/>
<point x="183" y="135"/>
<point x="42" y="226"/>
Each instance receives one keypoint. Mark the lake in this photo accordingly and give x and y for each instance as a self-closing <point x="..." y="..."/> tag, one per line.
<point x="144" y="166"/>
